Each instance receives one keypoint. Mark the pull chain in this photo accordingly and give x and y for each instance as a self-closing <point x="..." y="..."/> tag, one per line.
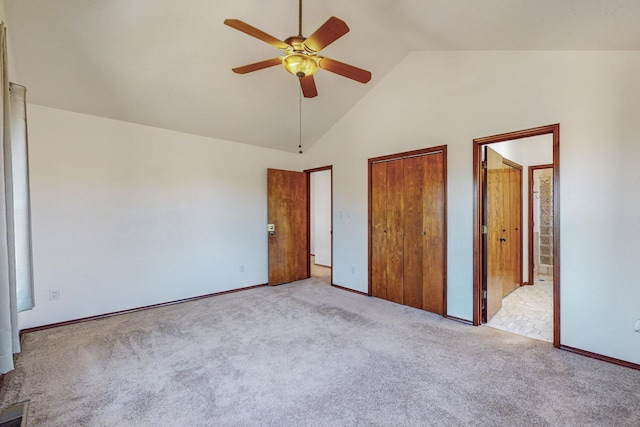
<point x="300" y="123"/>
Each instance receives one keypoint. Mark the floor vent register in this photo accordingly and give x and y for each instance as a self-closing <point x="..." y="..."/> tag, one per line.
<point x="15" y="415"/>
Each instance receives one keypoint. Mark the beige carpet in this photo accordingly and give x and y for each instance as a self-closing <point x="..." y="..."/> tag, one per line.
<point x="309" y="354"/>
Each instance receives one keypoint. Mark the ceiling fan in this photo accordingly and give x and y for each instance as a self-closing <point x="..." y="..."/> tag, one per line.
<point x="301" y="54"/>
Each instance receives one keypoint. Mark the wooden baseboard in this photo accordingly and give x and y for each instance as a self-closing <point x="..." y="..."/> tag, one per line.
<point x="350" y="290"/>
<point x="133" y="310"/>
<point x="601" y="357"/>
<point x="458" y="319"/>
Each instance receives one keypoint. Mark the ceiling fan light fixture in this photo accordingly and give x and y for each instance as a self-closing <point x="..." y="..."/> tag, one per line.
<point x="301" y="53"/>
<point x="300" y="65"/>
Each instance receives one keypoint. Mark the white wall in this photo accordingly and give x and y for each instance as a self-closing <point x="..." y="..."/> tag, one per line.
<point x="321" y="217"/>
<point x="126" y="215"/>
<point x="434" y="98"/>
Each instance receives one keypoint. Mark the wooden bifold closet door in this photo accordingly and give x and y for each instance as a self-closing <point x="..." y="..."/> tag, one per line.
<point x="408" y="236"/>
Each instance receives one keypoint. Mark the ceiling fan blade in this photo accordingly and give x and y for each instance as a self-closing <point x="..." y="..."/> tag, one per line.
<point x="346" y="70"/>
<point x="329" y="32"/>
<point x="253" y="31"/>
<point x="257" y="66"/>
<point x="308" y="85"/>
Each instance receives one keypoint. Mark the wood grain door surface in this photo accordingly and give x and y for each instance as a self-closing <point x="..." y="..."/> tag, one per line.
<point x="413" y="251"/>
<point x="433" y="234"/>
<point x="387" y="222"/>
<point x="503" y="218"/>
<point x="395" y="230"/>
<point x="494" y="238"/>
<point x="287" y="210"/>
<point x="512" y="205"/>
<point x="408" y="231"/>
<point x="379" y="230"/>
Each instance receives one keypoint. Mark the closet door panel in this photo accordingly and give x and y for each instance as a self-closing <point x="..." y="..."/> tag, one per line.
<point x="379" y="230"/>
<point x="395" y="247"/>
<point x="433" y="220"/>
<point x="414" y="182"/>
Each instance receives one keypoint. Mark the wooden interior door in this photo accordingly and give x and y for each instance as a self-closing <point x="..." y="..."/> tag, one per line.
<point x="424" y="276"/>
<point x="387" y="276"/>
<point x="395" y="231"/>
<point x="512" y="216"/>
<point x="379" y="230"/>
<point x="414" y="234"/>
<point x="434" y="238"/>
<point x="494" y="238"/>
<point x="287" y="211"/>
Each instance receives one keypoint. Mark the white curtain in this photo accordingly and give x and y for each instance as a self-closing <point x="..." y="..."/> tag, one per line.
<point x="21" y="197"/>
<point x="16" y="284"/>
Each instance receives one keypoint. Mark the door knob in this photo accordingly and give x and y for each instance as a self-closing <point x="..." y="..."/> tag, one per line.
<point x="423" y="233"/>
<point x="502" y="239"/>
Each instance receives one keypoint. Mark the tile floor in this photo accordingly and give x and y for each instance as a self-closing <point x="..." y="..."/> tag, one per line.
<point x="528" y="311"/>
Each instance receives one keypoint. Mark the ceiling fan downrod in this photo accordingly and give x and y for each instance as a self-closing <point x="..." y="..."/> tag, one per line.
<point x="300" y="18"/>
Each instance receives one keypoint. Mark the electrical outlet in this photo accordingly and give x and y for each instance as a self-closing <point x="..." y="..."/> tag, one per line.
<point x="54" y="294"/>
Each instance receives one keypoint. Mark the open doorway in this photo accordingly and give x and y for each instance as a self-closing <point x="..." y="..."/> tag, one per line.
<point x="528" y="310"/>
<point x="538" y="304"/>
<point x="320" y="224"/>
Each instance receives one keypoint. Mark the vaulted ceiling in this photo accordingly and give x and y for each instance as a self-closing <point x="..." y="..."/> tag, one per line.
<point x="167" y="63"/>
